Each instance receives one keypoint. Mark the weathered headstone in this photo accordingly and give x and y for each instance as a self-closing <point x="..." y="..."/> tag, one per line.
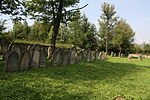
<point x="42" y="58"/>
<point x="56" y="60"/>
<point x="16" y="48"/>
<point x="96" y="54"/>
<point x="140" y="57"/>
<point x="35" y="56"/>
<point x="65" y="57"/>
<point x="80" y="56"/>
<point x="12" y="62"/>
<point x="72" y="56"/>
<point x="88" y="56"/>
<point x="92" y="56"/>
<point x="24" y="60"/>
<point x="112" y="54"/>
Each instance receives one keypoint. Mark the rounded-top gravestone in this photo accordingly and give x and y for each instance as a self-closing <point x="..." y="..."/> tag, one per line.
<point x="12" y="63"/>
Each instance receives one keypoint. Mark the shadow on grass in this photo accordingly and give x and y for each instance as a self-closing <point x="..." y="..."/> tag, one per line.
<point x="53" y="83"/>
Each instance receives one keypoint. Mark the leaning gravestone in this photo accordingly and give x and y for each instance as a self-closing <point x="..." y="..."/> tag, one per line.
<point x="24" y="61"/>
<point x="36" y="57"/>
<point x="56" y="60"/>
<point x="42" y="58"/>
<point x="12" y="63"/>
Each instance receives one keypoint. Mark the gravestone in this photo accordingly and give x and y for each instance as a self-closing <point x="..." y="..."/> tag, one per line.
<point x="42" y="58"/>
<point x="24" y="60"/>
<point x="140" y="57"/>
<point x="101" y="56"/>
<point x="92" y="56"/>
<point x="35" y="56"/>
<point x="12" y="62"/>
<point x="112" y="54"/>
<point x="121" y="55"/>
<point x="6" y="54"/>
<point x="73" y="56"/>
<point x="65" y="57"/>
<point x="80" y="56"/>
<point x="88" y="56"/>
<point x="16" y="48"/>
<point x="56" y="60"/>
<point x="96" y="54"/>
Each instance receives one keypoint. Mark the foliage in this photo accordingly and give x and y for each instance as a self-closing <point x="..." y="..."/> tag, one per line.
<point x="107" y="22"/>
<point x="14" y="8"/>
<point x="20" y="30"/>
<point x="123" y="36"/>
<point x="40" y="31"/>
<point x="53" y="12"/>
<point x="79" y="32"/>
<point x="40" y="43"/>
<point x="4" y="36"/>
<point x="100" y="80"/>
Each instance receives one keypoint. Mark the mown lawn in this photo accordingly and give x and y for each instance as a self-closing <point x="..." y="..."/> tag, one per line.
<point x="101" y="80"/>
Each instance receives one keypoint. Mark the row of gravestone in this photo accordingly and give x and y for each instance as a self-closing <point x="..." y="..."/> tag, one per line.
<point x="115" y="54"/>
<point x="65" y="56"/>
<point x="33" y="56"/>
<point x="24" y="57"/>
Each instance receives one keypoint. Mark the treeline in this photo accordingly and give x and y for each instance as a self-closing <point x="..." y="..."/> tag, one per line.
<point x="55" y="23"/>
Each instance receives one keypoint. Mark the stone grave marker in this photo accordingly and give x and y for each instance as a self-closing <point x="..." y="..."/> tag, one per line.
<point x="24" y="60"/>
<point x="42" y="58"/>
<point x="56" y="60"/>
<point x="12" y="62"/>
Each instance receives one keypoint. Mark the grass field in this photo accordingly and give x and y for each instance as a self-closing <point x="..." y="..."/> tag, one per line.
<point x="100" y="80"/>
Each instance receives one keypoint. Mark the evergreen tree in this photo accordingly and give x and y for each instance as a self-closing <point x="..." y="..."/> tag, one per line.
<point x="107" y="22"/>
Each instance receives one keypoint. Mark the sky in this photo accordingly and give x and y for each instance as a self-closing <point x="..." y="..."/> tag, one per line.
<point x="135" y="12"/>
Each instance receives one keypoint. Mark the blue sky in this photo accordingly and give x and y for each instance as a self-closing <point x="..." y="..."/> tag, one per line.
<point x="135" y="12"/>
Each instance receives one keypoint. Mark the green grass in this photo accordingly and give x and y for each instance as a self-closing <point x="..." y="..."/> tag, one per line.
<point x="100" y="80"/>
<point x="40" y="43"/>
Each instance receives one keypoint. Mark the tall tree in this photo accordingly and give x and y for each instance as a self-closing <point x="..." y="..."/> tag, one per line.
<point x="107" y="22"/>
<point x="52" y="11"/>
<point x="123" y="36"/>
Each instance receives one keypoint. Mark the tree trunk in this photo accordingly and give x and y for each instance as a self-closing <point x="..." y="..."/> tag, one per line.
<point x="120" y="50"/>
<point x="106" y="45"/>
<point x="56" y="23"/>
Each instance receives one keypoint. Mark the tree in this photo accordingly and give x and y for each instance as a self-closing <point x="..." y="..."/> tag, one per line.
<point x="39" y="31"/>
<point x="4" y="37"/>
<point x="123" y="36"/>
<point x="83" y="33"/>
<point x="107" y="22"/>
<point x="52" y="11"/>
<point x="12" y="7"/>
